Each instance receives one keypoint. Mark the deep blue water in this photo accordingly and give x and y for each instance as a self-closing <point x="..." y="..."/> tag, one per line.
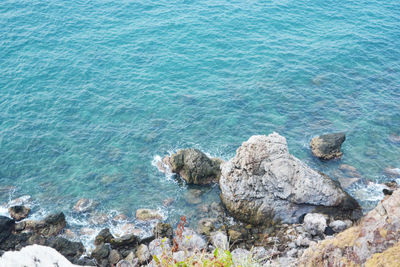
<point x="92" y="91"/>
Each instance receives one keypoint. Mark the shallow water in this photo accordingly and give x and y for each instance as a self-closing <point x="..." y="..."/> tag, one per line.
<point x="91" y="93"/>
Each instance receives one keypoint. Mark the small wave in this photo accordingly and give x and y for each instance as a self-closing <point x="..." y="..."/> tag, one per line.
<point x="372" y="192"/>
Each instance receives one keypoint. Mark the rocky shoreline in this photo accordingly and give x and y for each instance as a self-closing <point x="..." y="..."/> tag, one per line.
<point x="275" y="211"/>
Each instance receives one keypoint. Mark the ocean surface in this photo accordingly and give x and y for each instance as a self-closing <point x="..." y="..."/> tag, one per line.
<point x="93" y="93"/>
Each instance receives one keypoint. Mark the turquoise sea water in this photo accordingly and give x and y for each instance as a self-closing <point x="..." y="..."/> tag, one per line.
<point x="91" y="92"/>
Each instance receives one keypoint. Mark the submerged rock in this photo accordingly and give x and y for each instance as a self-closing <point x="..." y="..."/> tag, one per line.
<point x="264" y="184"/>
<point x="19" y="212"/>
<point x="328" y="146"/>
<point x="365" y="243"/>
<point x="193" y="196"/>
<point x="84" y="205"/>
<point x="194" y="166"/>
<point x="148" y="214"/>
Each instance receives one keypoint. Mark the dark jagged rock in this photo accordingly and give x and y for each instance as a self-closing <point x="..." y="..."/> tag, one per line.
<point x="100" y="254"/>
<point x="162" y="230"/>
<point x="6" y="227"/>
<point x="103" y="237"/>
<point x="49" y="226"/>
<point x="71" y="250"/>
<point x="128" y="241"/>
<point x="194" y="166"/>
<point x="19" y="212"/>
<point x="328" y="146"/>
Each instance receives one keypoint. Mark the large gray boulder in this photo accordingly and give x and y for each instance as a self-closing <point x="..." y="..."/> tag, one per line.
<point x="264" y="184"/>
<point x="327" y="146"/>
<point x="194" y="166"/>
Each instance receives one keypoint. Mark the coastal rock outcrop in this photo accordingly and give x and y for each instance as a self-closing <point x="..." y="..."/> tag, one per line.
<point x="194" y="166"/>
<point x="328" y="146"/>
<point x="19" y="212"/>
<point x="264" y="184"/>
<point x="372" y="242"/>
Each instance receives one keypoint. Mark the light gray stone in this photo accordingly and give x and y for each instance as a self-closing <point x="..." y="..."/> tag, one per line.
<point x="338" y="226"/>
<point x="219" y="240"/>
<point x="263" y="183"/>
<point x="315" y="223"/>
<point x="143" y="253"/>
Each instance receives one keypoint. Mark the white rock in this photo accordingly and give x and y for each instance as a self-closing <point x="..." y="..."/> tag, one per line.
<point x="33" y="256"/>
<point x="240" y="256"/>
<point x="157" y="246"/>
<point x="219" y="240"/>
<point x="338" y="226"/>
<point x="315" y="223"/>
<point x="191" y="241"/>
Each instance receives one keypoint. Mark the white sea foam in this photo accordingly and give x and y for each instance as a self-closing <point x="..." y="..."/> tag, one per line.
<point x="371" y="192"/>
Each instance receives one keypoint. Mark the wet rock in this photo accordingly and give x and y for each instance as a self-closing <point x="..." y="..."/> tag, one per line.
<point x="148" y="214"/>
<point x="143" y="254"/>
<point x="114" y="257"/>
<point x="50" y="226"/>
<point x="328" y="146"/>
<point x="103" y="237"/>
<point x="193" y="196"/>
<point x="6" y="227"/>
<point x="374" y="235"/>
<point x="130" y="229"/>
<point x="263" y="184"/>
<point x="387" y="192"/>
<point x="84" y="205"/>
<point x="71" y="250"/>
<point x="168" y="202"/>
<point x="100" y="254"/>
<point x="219" y="240"/>
<point x="315" y="223"/>
<point x="206" y="226"/>
<point x="349" y="170"/>
<point x="157" y="246"/>
<point x="162" y="230"/>
<point x="338" y="226"/>
<point x="19" y="212"/>
<point x="87" y="231"/>
<point x="69" y="234"/>
<point x="194" y="166"/>
<point x="347" y="182"/>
